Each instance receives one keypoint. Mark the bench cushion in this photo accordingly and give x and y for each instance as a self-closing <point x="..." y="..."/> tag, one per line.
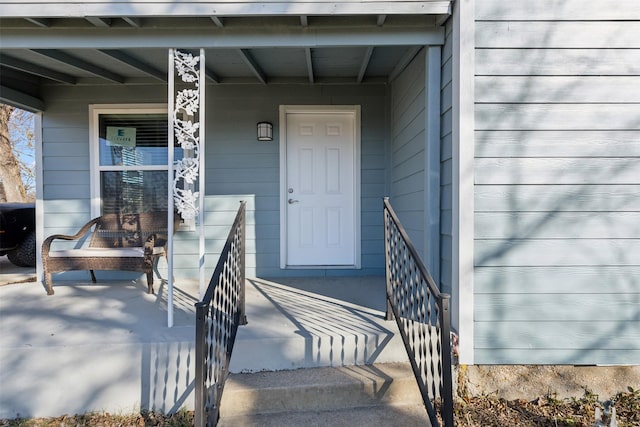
<point x="104" y="252"/>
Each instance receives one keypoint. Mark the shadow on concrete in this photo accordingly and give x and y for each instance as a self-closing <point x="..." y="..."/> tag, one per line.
<point x="10" y="273"/>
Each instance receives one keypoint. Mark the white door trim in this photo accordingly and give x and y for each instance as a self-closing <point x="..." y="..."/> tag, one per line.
<point x="288" y="109"/>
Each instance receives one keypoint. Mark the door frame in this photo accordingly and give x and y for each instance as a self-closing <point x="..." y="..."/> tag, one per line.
<point x="355" y="111"/>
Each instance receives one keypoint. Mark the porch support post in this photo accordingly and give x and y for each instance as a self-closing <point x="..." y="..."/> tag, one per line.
<point x="186" y="175"/>
<point x="170" y="178"/>
<point x="201" y="180"/>
<point x="463" y="124"/>
<point x="432" y="162"/>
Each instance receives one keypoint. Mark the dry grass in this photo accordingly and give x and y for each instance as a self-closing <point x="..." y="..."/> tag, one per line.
<point x="182" y="418"/>
<point x="482" y="411"/>
<point x="546" y="411"/>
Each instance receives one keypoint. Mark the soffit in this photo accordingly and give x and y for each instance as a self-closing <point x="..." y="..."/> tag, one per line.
<point x="286" y="49"/>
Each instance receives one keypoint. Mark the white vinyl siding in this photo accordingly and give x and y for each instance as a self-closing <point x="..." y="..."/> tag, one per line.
<point x="557" y="182"/>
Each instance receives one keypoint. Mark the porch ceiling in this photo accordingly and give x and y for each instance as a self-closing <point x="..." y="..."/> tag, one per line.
<point x="283" y="49"/>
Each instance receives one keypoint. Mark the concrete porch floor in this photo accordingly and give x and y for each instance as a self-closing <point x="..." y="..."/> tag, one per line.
<point x="107" y="347"/>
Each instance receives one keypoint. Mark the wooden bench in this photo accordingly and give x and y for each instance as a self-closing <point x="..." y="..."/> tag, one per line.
<point x="128" y="242"/>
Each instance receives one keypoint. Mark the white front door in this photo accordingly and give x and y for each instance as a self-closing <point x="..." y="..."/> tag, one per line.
<point x="320" y="196"/>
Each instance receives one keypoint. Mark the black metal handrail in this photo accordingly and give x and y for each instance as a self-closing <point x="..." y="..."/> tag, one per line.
<point x="423" y="317"/>
<point x="218" y="316"/>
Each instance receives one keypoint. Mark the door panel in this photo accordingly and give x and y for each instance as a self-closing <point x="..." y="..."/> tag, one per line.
<point x="321" y="208"/>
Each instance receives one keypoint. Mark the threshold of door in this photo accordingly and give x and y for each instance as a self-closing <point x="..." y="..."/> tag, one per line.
<point x="322" y="267"/>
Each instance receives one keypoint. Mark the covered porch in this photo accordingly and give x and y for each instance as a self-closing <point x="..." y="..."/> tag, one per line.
<point x="106" y="346"/>
<point x="382" y="61"/>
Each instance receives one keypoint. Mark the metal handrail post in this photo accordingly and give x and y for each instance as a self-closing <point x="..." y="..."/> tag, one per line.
<point x="200" y="415"/>
<point x="387" y="244"/>
<point x="243" y="230"/>
<point x="447" y="380"/>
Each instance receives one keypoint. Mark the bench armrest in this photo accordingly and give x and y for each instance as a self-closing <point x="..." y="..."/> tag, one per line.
<point x="46" y="245"/>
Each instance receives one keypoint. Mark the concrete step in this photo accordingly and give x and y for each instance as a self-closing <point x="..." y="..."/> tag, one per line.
<point x="380" y="394"/>
<point x="381" y="415"/>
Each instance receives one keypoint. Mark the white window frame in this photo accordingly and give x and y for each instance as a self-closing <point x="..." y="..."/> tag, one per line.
<point x="95" y="111"/>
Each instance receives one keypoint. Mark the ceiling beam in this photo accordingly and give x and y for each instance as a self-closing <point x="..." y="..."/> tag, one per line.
<point x="253" y="65"/>
<point x="303" y="80"/>
<point x="40" y="22"/>
<point x="213" y="77"/>
<point x="99" y="22"/>
<point x="227" y="38"/>
<point x="404" y="61"/>
<point x="65" y="58"/>
<point x="135" y="63"/>
<point x="20" y="99"/>
<point x="134" y="22"/>
<point x="441" y="19"/>
<point x="307" y="54"/>
<point x="28" y="67"/>
<point x="218" y="21"/>
<point x="365" y="63"/>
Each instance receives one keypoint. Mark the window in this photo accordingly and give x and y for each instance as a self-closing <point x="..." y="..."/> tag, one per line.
<point x="130" y="159"/>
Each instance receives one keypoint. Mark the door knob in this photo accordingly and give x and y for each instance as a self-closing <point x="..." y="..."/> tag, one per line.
<point x="292" y="201"/>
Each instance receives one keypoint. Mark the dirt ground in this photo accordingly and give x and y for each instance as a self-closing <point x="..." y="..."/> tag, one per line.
<point x="548" y="411"/>
<point x="481" y="411"/>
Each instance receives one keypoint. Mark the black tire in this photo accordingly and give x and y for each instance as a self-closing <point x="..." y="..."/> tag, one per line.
<point x="25" y="254"/>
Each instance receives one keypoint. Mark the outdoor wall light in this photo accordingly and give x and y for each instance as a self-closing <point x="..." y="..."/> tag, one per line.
<point x="265" y="131"/>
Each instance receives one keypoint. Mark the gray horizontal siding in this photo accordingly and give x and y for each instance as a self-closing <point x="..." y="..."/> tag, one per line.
<point x="531" y="280"/>
<point x="557" y="198"/>
<point x="557" y="252"/>
<point x="550" y="34"/>
<point x="558" y="171"/>
<point x="557" y="225"/>
<point x="550" y="89"/>
<point x="557" y="182"/>
<point x="531" y="308"/>
<point x="567" y="144"/>
<point x="557" y="62"/>
<point x="558" y="116"/>
<point x="552" y="356"/>
<point x="574" y="336"/>
<point x="408" y="138"/>
<point x="446" y="150"/>
<point x="582" y="342"/>
<point x="558" y="10"/>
